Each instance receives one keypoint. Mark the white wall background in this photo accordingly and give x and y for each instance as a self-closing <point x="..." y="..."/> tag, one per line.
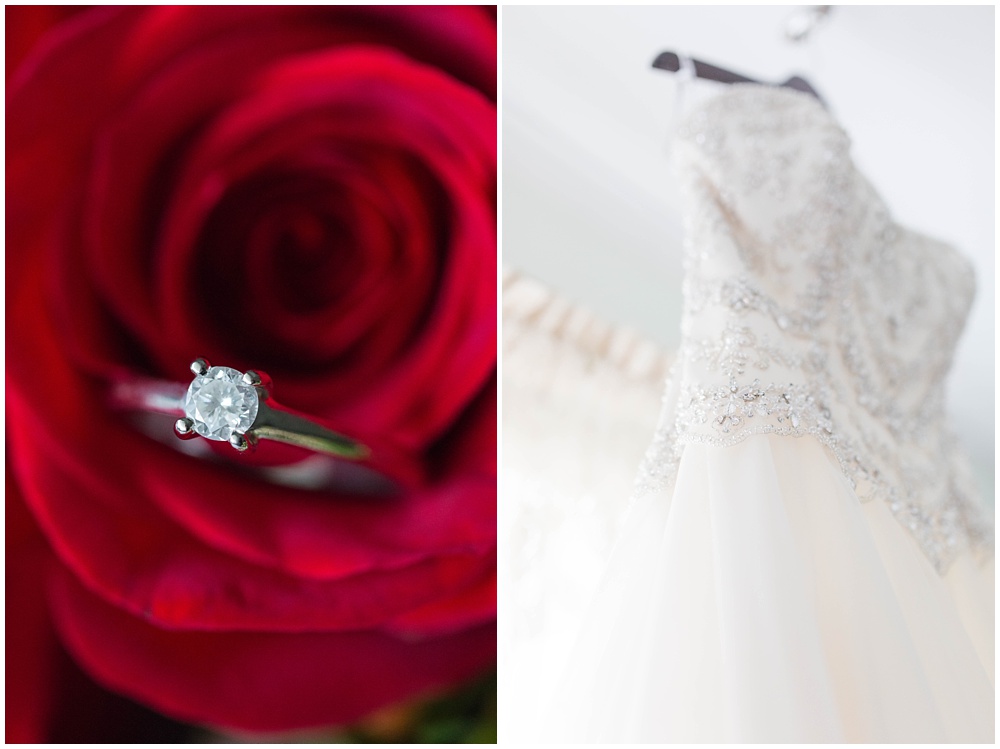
<point x="588" y="203"/>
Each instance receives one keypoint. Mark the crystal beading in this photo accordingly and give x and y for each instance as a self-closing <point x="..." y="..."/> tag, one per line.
<point x="808" y="312"/>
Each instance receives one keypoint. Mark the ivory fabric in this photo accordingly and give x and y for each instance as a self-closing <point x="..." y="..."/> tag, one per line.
<point x="766" y="604"/>
<point x="804" y="557"/>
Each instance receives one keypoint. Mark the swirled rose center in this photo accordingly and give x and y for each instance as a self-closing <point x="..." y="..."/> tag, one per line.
<point x="221" y="404"/>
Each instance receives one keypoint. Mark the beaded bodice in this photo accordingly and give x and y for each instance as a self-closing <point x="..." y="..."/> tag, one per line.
<point x="808" y="311"/>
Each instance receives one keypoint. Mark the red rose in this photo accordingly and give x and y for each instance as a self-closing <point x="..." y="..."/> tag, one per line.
<point x="308" y="191"/>
<point x="26" y="24"/>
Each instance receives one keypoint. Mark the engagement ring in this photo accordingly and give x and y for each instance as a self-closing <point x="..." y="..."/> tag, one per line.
<point x="226" y="405"/>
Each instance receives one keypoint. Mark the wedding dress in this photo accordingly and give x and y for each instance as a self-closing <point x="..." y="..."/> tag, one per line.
<point x="804" y="557"/>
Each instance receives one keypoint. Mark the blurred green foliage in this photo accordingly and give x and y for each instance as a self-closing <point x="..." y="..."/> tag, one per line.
<point x="465" y="716"/>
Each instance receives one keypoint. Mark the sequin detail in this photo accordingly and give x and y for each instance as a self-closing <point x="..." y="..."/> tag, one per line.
<point x="808" y="311"/>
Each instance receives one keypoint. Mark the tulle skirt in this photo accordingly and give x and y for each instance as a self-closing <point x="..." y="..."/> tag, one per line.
<point x="758" y="600"/>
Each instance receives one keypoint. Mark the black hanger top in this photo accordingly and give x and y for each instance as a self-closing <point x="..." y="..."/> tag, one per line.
<point x="671" y="62"/>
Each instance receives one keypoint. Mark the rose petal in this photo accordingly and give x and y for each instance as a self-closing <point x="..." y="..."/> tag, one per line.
<point x="260" y="681"/>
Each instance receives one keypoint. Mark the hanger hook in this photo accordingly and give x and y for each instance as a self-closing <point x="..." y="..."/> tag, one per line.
<point x="800" y="25"/>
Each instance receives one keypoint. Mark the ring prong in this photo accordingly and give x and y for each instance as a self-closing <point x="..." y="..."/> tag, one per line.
<point x="199" y="366"/>
<point x="259" y="380"/>
<point x="243" y="442"/>
<point x="184" y="428"/>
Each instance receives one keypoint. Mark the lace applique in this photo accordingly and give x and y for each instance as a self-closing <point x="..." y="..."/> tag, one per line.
<point x="809" y="312"/>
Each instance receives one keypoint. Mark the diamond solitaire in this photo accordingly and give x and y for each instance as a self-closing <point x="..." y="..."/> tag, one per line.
<point x="220" y="404"/>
